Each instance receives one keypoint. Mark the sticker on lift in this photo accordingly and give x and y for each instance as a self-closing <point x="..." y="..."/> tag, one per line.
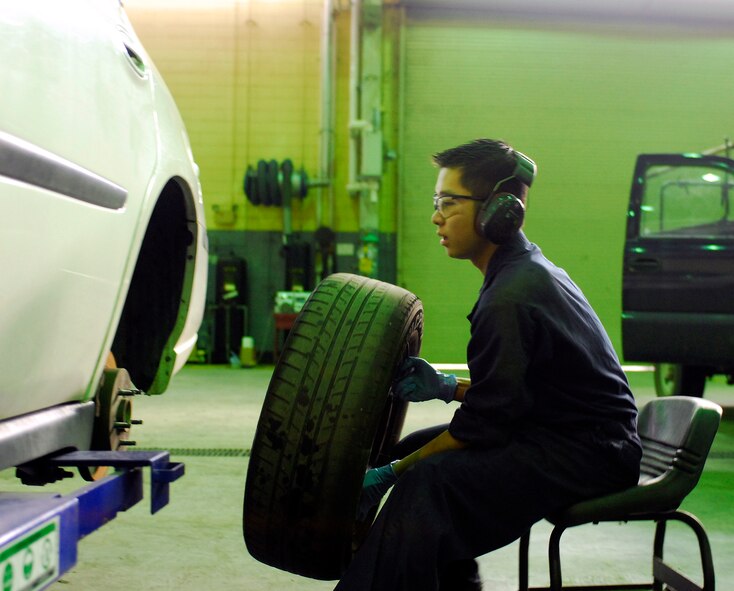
<point x="32" y="561"/>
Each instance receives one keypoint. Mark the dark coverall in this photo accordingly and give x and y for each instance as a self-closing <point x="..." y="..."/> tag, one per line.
<point x="549" y="419"/>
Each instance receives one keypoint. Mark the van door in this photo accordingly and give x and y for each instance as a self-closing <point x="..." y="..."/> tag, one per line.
<point x="678" y="276"/>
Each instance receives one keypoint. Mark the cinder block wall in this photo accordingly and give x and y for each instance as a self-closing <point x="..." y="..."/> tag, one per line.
<point x="583" y="96"/>
<point x="246" y="78"/>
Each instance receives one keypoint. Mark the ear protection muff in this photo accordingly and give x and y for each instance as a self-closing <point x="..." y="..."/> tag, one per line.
<point x="501" y="215"/>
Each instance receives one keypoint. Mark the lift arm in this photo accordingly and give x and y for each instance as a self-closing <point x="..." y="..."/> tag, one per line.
<point x="39" y="532"/>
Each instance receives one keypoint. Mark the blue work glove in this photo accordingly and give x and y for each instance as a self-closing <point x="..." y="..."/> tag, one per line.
<point x="377" y="482"/>
<point x="418" y="381"/>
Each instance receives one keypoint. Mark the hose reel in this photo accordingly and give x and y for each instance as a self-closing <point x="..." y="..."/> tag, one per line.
<point x="269" y="183"/>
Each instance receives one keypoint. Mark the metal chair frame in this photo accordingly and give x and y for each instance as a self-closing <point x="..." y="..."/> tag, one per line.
<point x="677" y="433"/>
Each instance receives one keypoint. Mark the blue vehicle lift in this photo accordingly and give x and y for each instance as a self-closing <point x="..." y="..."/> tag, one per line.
<point x="39" y="532"/>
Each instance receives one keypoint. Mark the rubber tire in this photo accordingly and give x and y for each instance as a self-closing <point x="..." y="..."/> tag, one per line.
<point x="263" y="194"/>
<point x="327" y="417"/>
<point x="286" y="191"/>
<point x="679" y="380"/>
<point x="272" y="183"/>
<point x="249" y="185"/>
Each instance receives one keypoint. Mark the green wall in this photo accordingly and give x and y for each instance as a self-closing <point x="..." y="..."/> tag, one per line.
<point x="583" y="99"/>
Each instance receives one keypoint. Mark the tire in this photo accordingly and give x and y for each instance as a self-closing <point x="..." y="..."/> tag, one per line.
<point x="679" y="380"/>
<point x="249" y="185"/>
<point x="263" y="194"/>
<point x="271" y="182"/>
<point x="328" y="416"/>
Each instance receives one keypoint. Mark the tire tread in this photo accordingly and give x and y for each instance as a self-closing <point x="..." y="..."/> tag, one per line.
<point x="316" y="431"/>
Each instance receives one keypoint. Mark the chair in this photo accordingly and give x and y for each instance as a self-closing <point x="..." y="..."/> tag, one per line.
<point x="677" y="433"/>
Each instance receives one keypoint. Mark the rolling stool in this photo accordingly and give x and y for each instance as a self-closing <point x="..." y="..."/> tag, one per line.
<point x="676" y="433"/>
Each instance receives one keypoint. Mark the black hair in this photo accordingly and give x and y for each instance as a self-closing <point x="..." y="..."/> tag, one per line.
<point x="483" y="163"/>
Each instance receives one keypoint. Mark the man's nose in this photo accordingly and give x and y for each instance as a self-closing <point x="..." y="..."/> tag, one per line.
<point x="437" y="218"/>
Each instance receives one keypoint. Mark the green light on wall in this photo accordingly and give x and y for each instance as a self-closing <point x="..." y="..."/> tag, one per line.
<point x="713" y="247"/>
<point x="639" y="249"/>
<point x="647" y="208"/>
<point x="711" y="177"/>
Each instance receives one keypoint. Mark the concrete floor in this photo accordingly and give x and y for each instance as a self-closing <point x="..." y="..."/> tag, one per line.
<point x="207" y="420"/>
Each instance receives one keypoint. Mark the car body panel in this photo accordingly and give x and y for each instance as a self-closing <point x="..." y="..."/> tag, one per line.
<point x="81" y="95"/>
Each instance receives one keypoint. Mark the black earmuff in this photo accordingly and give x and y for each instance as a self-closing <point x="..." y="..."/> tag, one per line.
<point x="501" y="215"/>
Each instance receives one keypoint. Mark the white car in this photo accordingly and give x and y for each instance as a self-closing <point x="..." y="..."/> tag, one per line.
<point x="103" y="248"/>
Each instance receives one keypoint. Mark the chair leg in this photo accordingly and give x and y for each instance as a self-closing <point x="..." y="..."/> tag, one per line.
<point x="523" y="562"/>
<point x="657" y="553"/>
<point x="707" y="563"/>
<point x="554" y="558"/>
<point x="664" y="576"/>
<point x="661" y="570"/>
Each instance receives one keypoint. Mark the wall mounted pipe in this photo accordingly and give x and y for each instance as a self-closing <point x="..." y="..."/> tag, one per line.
<point x="365" y="98"/>
<point x="718" y="13"/>
<point x="326" y="147"/>
<point x="355" y="36"/>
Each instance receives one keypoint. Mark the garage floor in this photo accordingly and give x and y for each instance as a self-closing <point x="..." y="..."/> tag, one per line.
<point x="207" y="420"/>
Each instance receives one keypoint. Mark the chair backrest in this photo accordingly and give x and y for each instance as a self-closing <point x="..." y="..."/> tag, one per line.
<point x="676" y="433"/>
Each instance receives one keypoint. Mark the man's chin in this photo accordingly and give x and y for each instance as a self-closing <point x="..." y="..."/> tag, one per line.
<point x="456" y="255"/>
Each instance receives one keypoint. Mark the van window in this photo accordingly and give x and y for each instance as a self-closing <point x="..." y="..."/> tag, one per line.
<point x="686" y="202"/>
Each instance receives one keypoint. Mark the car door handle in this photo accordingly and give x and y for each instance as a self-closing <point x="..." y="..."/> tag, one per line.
<point x="133" y="57"/>
<point x="644" y="265"/>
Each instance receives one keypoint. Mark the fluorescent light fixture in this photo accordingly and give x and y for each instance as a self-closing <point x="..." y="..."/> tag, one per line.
<point x="711" y="177"/>
<point x="638" y="368"/>
<point x="450" y="366"/>
<point x="180" y="5"/>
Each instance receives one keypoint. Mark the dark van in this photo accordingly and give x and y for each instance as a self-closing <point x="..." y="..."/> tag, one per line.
<point x="678" y="278"/>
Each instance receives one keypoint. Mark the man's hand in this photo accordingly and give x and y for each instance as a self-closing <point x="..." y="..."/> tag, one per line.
<point x="377" y="482"/>
<point x="418" y="381"/>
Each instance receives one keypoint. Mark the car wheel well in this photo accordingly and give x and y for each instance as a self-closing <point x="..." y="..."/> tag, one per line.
<point x="156" y="300"/>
